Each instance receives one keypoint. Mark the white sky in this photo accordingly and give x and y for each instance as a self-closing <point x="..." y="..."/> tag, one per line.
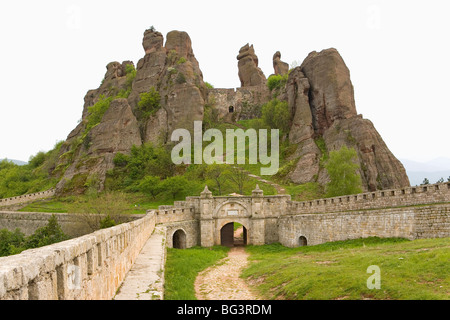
<point x="398" y="53"/>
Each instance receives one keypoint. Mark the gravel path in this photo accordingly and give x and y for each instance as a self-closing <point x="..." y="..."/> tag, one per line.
<point x="222" y="281"/>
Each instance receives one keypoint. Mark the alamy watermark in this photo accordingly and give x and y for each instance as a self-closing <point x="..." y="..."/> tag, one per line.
<point x="258" y="150"/>
<point x="374" y="281"/>
<point x="73" y="277"/>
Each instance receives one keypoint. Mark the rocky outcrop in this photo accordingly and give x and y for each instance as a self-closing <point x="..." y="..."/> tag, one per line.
<point x="331" y="91"/>
<point x="324" y="118"/>
<point x="249" y="72"/>
<point x="117" y="132"/>
<point x="319" y="93"/>
<point x="280" y="67"/>
<point x="172" y="71"/>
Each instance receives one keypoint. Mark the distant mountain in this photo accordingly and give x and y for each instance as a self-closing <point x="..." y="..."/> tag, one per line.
<point x="18" y="162"/>
<point x="433" y="170"/>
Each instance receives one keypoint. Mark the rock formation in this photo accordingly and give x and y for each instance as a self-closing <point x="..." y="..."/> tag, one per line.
<point x="172" y="71"/>
<point x="319" y="94"/>
<point x="280" y="67"/>
<point x="322" y="105"/>
<point x="249" y="73"/>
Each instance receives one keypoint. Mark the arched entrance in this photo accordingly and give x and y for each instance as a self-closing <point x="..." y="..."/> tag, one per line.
<point x="233" y="234"/>
<point x="302" y="241"/>
<point x="179" y="239"/>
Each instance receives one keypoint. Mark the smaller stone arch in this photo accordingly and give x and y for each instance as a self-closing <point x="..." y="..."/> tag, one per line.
<point x="179" y="239"/>
<point x="302" y="241"/>
<point x="231" y="109"/>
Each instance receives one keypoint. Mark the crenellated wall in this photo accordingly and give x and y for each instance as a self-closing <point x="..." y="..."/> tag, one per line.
<point x="414" y="222"/>
<point x="90" y="267"/>
<point x="413" y="212"/>
<point x="27" y="198"/>
<point x="425" y="194"/>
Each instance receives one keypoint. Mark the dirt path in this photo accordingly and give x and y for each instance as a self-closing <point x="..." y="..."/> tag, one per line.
<point x="222" y="281"/>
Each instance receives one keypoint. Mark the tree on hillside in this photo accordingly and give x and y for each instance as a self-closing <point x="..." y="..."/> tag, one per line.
<point x="95" y="208"/>
<point x="343" y="171"/>
<point x="238" y="177"/>
<point x="150" y="185"/>
<point x="176" y="186"/>
<point x="217" y="172"/>
<point x="51" y="233"/>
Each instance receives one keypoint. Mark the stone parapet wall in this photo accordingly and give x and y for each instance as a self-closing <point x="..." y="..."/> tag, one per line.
<point x="74" y="225"/>
<point x="90" y="267"/>
<point x="27" y="198"/>
<point x="411" y="223"/>
<point x="409" y="196"/>
<point x="175" y="213"/>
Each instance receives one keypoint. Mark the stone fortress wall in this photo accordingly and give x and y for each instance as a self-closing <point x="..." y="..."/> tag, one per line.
<point x="27" y="198"/>
<point x="411" y="212"/>
<point x="91" y="267"/>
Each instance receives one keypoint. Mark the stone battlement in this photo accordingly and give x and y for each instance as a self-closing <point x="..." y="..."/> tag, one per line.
<point x="90" y="267"/>
<point x="409" y="196"/>
<point x="178" y="212"/>
<point x="27" y="197"/>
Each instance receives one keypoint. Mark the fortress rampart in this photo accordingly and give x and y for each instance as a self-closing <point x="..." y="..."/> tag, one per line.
<point x="90" y="267"/>
<point x="410" y="196"/>
<point x="412" y="212"/>
<point x="93" y="266"/>
<point x="27" y="198"/>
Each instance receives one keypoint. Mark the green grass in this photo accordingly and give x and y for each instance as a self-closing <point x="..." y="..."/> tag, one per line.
<point x="137" y="204"/>
<point x="182" y="267"/>
<point x="413" y="270"/>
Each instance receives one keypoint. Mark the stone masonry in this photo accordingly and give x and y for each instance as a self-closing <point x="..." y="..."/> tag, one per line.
<point x="413" y="213"/>
<point x="94" y="266"/>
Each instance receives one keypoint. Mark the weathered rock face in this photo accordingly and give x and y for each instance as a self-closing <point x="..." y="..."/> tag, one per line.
<point x="117" y="132"/>
<point x="297" y="90"/>
<point x="379" y="167"/>
<point x="249" y="73"/>
<point x="114" y="80"/>
<point x="319" y="95"/>
<point x="280" y="67"/>
<point x="173" y="71"/>
<point x="321" y="102"/>
<point x="331" y="92"/>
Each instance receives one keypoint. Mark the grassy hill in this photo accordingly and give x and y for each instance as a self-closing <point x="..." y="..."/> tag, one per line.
<point x="409" y="270"/>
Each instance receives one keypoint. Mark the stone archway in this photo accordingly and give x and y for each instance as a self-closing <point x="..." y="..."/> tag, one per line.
<point x="229" y="238"/>
<point x="179" y="239"/>
<point x="302" y="241"/>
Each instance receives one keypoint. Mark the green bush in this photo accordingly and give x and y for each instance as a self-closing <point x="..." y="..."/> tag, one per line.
<point x="175" y="186"/>
<point x="143" y="161"/>
<point x="96" y="113"/>
<point x="131" y="75"/>
<point x="107" y="222"/>
<point x="150" y="103"/>
<point x="209" y="85"/>
<point x="14" y="242"/>
<point x="275" y="114"/>
<point x="343" y="170"/>
<point x="277" y="81"/>
<point x="35" y="176"/>
<point x="181" y="60"/>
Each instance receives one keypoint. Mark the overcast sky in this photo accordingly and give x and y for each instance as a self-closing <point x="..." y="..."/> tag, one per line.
<point x="398" y="53"/>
